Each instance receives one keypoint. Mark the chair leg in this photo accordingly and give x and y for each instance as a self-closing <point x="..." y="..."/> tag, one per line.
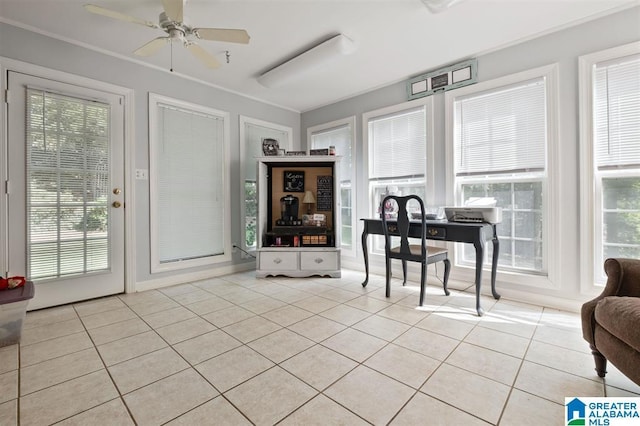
<point x="423" y="274"/>
<point x="447" y="269"/>
<point x="388" y="276"/>
<point x="404" y="272"/>
<point x="601" y="361"/>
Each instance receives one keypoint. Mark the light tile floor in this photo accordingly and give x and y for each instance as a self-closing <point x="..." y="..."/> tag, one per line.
<point x="240" y="350"/>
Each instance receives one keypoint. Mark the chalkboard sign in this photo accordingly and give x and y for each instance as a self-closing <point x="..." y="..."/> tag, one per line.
<point x="293" y="181"/>
<point x="324" y="197"/>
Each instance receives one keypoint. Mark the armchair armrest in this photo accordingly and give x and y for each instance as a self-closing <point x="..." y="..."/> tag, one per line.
<point x="623" y="279"/>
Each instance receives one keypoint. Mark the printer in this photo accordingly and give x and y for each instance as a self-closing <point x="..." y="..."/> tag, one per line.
<point x="475" y="210"/>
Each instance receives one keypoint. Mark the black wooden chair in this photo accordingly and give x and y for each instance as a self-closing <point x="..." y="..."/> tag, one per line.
<point x="423" y="253"/>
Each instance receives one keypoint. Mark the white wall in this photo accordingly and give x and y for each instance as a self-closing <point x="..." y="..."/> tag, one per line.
<point x="22" y="45"/>
<point x="562" y="47"/>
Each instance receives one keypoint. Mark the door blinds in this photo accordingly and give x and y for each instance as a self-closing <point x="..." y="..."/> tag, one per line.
<point x="67" y="185"/>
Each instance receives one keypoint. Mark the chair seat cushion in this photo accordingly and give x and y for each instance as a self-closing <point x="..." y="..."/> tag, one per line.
<point x="416" y="250"/>
<point x="620" y="316"/>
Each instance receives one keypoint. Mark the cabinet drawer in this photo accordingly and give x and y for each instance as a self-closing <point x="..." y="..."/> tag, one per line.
<point x="278" y="261"/>
<point x="436" y="233"/>
<point x="319" y="260"/>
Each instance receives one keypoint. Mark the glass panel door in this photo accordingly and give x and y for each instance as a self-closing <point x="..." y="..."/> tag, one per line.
<point x="66" y="189"/>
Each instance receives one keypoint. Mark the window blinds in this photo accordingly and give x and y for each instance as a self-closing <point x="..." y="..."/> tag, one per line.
<point x="398" y="145"/>
<point x="617" y="112"/>
<point x="502" y="130"/>
<point x="67" y="185"/>
<point x="340" y="137"/>
<point x="190" y="184"/>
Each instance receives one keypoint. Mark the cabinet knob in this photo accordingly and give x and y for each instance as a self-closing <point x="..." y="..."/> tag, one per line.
<point x="319" y="260"/>
<point x="277" y="260"/>
<point x="432" y="231"/>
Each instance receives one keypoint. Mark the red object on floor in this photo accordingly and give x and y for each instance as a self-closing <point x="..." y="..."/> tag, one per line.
<point x="11" y="283"/>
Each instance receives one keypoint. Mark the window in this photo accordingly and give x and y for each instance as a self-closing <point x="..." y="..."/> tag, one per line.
<point x="340" y="134"/>
<point x="252" y="132"/>
<point x="189" y="186"/>
<point x="611" y="155"/>
<point x="398" y="141"/>
<point x="500" y="141"/>
<point x="68" y="177"/>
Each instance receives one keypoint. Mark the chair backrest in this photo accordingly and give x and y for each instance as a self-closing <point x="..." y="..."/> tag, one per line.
<point x="400" y="226"/>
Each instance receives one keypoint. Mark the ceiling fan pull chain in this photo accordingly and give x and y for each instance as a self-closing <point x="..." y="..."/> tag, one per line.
<point x="171" y="42"/>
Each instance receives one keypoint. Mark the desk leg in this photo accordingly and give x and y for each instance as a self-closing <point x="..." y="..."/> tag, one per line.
<point x="479" y="246"/>
<point x="365" y="234"/>
<point x="494" y="267"/>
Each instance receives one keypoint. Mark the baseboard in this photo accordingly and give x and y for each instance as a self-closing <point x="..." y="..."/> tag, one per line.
<point x="193" y="276"/>
<point x="507" y="292"/>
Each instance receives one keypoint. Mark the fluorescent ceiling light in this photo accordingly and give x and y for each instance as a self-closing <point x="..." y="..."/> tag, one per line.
<point x="308" y="61"/>
<point x="436" y="6"/>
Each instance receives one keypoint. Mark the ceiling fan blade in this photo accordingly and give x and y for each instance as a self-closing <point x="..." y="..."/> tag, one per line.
<point x="117" y="15"/>
<point x="152" y="47"/>
<point x="205" y="57"/>
<point x="222" y="34"/>
<point x="174" y="9"/>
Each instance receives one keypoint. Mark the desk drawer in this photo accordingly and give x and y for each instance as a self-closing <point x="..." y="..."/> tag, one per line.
<point x="278" y="261"/>
<point x="436" y="233"/>
<point x="319" y="260"/>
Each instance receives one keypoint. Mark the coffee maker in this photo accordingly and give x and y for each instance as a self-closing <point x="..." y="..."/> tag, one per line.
<point x="289" y="211"/>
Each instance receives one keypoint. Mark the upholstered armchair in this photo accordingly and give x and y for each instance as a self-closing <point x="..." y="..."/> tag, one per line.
<point x="611" y="321"/>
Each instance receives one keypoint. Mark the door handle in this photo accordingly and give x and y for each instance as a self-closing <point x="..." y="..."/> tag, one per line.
<point x="116" y="204"/>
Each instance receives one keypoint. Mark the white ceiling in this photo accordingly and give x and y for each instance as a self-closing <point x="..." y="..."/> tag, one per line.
<point x="396" y="39"/>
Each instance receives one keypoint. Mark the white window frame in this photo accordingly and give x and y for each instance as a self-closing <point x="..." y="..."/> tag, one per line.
<point x="249" y="121"/>
<point x="156" y="265"/>
<point x="429" y="176"/>
<point x="590" y="188"/>
<point x="349" y="121"/>
<point x="551" y="249"/>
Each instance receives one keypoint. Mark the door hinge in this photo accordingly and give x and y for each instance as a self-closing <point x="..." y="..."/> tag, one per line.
<point x="6" y="96"/>
<point x="6" y="187"/>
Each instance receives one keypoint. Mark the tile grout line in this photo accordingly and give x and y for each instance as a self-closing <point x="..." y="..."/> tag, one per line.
<point x="95" y="347"/>
<point x="292" y="303"/>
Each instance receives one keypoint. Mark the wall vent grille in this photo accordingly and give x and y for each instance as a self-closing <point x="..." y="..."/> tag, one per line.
<point x="443" y="79"/>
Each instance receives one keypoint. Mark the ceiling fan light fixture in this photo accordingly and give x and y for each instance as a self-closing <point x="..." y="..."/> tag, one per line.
<point x="308" y="61"/>
<point x="176" y="34"/>
<point x="437" y="6"/>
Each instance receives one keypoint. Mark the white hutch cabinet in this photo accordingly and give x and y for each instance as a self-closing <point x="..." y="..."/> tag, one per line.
<point x="302" y="241"/>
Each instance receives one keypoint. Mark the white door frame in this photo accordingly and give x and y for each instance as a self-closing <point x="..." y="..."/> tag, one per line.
<point x="7" y="64"/>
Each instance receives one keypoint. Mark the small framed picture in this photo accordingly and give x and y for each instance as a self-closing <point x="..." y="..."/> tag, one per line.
<point x="293" y="181"/>
<point x="270" y="146"/>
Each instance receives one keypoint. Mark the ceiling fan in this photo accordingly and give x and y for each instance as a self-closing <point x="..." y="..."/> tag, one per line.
<point x="171" y="22"/>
